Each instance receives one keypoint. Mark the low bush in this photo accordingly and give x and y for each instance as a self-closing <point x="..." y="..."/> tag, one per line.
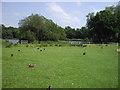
<point x="9" y="45"/>
<point x="50" y="45"/>
<point x="60" y="45"/>
<point x="79" y="45"/>
<point x="44" y="45"/>
<point x="15" y="44"/>
<point x="56" y="44"/>
<point x="84" y="45"/>
<point x="27" y="45"/>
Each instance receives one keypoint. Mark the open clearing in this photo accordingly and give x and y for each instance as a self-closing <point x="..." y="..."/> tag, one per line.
<point x="60" y="67"/>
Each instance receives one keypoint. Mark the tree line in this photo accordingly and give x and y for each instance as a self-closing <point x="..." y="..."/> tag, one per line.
<point x="9" y="32"/>
<point x="104" y="26"/>
<point x="35" y="27"/>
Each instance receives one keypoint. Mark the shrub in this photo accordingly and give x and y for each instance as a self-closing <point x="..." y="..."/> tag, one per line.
<point x="37" y="45"/>
<point x="72" y="44"/>
<point x="27" y="45"/>
<point x="51" y="45"/>
<point x="60" y="45"/>
<point x="84" y="45"/>
<point x="56" y="45"/>
<point x="106" y="45"/>
<point x="15" y="44"/>
<point x="40" y="45"/>
<point x="44" y="45"/>
<point x="9" y="45"/>
<point x="79" y="45"/>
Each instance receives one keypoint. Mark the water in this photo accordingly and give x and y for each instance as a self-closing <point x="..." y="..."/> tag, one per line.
<point x="12" y="41"/>
<point x="72" y="42"/>
<point x="80" y="42"/>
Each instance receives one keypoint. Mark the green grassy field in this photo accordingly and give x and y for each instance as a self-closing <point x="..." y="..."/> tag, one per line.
<point x="0" y="63"/>
<point x="60" y="67"/>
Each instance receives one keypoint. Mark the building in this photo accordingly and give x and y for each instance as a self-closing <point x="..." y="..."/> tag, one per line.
<point x="24" y="41"/>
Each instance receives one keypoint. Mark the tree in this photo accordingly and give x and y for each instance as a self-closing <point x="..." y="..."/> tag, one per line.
<point x="78" y="33"/>
<point x="117" y="15"/>
<point x="84" y="32"/>
<point x="70" y="32"/>
<point x="9" y="32"/>
<point x="101" y="26"/>
<point x="40" y="28"/>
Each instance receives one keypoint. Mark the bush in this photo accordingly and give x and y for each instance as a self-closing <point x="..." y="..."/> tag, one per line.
<point x="84" y="45"/>
<point x="60" y="45"/>
<point x="9" y="45"/>
<point x="40" y="45"/>
<point x="51" y="45"/>
<point x="44" y="45"/>
<point x="56" y="45"/>
<point x="27" y="45"/>
<point x="15" y="44"/>
<point x="79" y="45"/>
<point x="106" y="45"/>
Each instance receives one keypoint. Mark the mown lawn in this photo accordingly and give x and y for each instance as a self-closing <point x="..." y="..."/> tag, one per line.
<point x="0" y="63"/>
<point x="60" y="67"/>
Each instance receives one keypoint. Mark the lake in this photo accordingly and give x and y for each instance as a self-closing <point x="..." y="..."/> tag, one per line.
<point x="72" y="42"/>
<point x="80" y="42"/>
<point x="12" y="40"/>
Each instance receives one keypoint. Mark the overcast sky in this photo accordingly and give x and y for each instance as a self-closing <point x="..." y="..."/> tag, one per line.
<point x="63" y="13"/>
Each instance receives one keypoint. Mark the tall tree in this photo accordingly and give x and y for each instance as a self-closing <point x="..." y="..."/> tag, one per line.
<point x="78" y="33"/>
<point x="40" y="28"/>
<point x="84" y="32"/>
<point x="101" y="26"/>
<point x="70" y="32"/>
<point x="9" y="32"/>
<point x="115" y="10"/>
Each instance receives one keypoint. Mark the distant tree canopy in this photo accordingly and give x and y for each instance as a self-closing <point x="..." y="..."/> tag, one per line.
<point x="115" y="10"/>
<point x="9" y="32"/>
<point x="39" y="28"/>
<point x="105" y="25"/>
<point x="70" y="32"/>
<point x="79" y="33"/>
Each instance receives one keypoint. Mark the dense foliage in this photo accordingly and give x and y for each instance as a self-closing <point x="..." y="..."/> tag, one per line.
<point x="39" y="28"/>
<point x="104" y="26"/>
<point x="79" y="33"/>
<point x="9" y="32"/>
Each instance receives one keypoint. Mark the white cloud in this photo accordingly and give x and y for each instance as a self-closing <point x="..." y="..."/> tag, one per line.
<point x="79" y="3"/>
<point x="16" y="14"/>
<point x="63" y="17"/>
<point x="0" y="13"/>
<point x="96" y="10"/>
